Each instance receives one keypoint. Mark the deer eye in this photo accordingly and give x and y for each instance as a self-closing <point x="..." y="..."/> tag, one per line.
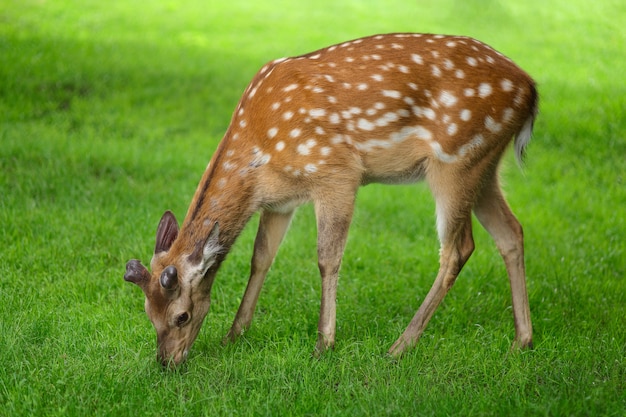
<point x="182" y="319"/>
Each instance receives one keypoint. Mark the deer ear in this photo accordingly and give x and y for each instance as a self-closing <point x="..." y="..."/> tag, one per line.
<point x="205" y="252"/>
<point x="166" y="232"/>
<point x="137" y="273"/>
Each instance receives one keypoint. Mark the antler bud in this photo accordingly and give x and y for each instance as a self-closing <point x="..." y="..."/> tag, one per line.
<point x="169" y="278"/>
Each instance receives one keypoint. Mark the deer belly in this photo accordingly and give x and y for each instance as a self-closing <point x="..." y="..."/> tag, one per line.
<point x="394" y="162"/>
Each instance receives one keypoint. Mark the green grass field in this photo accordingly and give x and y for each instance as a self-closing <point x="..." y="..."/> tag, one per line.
<point x="109" y="113"/>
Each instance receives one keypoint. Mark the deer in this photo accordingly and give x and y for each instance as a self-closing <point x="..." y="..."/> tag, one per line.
<point x="394" y="108"/>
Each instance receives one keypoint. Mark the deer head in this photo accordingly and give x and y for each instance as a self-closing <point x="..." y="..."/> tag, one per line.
<point x="178" y="289"/>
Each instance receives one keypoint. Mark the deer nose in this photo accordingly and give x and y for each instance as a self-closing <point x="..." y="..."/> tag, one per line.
<point x="172" y="358"/>
<point x="171" y="361"/>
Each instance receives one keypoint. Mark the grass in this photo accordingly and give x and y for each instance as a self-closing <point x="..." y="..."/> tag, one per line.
<point x="109" y="113"/>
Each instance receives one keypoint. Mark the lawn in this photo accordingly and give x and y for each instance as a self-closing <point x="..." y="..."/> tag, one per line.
<point x="109" y="113"/>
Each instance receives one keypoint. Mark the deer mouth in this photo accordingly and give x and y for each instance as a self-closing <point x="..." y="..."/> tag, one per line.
<point x="171" y="361"/>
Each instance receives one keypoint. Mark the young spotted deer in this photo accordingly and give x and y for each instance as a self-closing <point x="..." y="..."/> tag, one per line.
<point x="395" y="108"/>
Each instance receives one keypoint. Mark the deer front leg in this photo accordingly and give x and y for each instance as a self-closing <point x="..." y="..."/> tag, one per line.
<point x="272" y="229"/>
<point x="333" y="222"/>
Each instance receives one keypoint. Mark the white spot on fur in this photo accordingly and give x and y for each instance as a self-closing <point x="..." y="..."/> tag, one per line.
<point x="472" y="61"/>
<point x="423" y="133"/>
<point x="271" y="133"/>
<point x="460" y="74"/>
<point x="305" y="148"/>
<point x="365" y="125"/>
<point x="287" y="115"/>
<point x="290" y="87"/>
<point x="441" y="154"/>
<point x="469" y="92"/>
<point x="476" y="142"/>
<point x="403" y="113"/>
<point x="369" y="145"/>
<point x="507" y="85"/>
<point x="295" y="132"/>
<point x="310" y="168"/>
<point x="259" y="158"/>
<point x="508" y="115"/>
<point x="417" y="59"/>
<point x="484" y="90"/>
<point x="387" y="118"/>
<point x="424" y="112"/>
<point x="280" y="146"/>
<point x="519" y="99"/>
<point x="447" y="99"/>
<point x="452" y="129"/>
<point x="391" y="93"/>
<point x="317" y="112"/>
<point x="325" y="151"/>
<point x="466" y="115"/>
<point x="362" y="87"/>
<point x="334" y="118"/>
<point x="448" y="64"/>
<point x="492" y="125"/>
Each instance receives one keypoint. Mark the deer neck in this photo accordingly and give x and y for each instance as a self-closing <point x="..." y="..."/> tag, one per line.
<point x="225" y="195"/>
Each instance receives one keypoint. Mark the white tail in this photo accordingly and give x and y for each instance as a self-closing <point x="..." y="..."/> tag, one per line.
<point x="393" y="108"/>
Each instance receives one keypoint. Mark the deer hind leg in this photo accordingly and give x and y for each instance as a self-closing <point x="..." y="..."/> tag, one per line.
<point x="457" y="244"/>
<point x="272" y="229"/>
<point x="333" y="222"/>
<point x="494" y="214"/>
